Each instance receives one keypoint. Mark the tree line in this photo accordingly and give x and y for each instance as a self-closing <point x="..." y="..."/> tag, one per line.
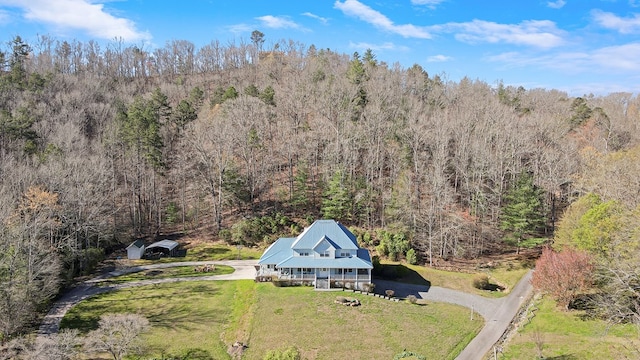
<point x="99" y="146"/>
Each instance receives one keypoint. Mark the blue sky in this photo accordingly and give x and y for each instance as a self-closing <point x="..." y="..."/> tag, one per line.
<point x="578" y="46"/>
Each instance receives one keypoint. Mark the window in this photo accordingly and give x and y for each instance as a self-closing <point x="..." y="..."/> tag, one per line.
<point x="305" y="253"/>
<point x="325" y="254"/>
<point x="345" y="254"/>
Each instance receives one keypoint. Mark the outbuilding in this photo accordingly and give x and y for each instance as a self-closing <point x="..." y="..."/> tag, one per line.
<point x="167" y="248"/>
<point x="135" y="251"/>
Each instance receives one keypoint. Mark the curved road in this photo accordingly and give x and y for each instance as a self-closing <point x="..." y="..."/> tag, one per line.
<point x="498" y="313"/>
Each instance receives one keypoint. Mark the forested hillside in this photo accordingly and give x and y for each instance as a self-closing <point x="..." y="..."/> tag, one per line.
<point x="101" y="144"/>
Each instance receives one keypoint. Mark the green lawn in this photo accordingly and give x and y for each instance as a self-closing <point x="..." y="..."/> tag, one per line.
<point x="178" y="271"/>
<point x="568" y="336"/>
<point x="211" y="315"/>
<point x="184" y="316"/>
<point x="416" y="274"/>
<point x="208" y="252"/>
<point x="378" y="329"/>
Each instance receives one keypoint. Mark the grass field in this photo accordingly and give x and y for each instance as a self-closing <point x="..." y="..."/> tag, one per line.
<point x="178" y="271"/>
<point x="206" y="251"/>
<point x="569" y="336"/>
<point x="209" y="316"/>
<point x="415" y="274"/>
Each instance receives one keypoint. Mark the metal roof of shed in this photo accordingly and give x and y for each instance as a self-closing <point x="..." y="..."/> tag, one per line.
<point x="165" y="244"/>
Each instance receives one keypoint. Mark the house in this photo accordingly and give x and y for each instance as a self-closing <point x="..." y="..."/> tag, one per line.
<point x="135" y="251"/>
<point x="326" y="254"/>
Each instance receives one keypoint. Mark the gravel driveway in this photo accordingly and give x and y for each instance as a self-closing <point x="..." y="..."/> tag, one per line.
<point x="498" y="313"/>
<point x="244" y="270"/>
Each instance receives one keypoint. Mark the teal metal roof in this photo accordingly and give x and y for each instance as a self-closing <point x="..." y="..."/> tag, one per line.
<point x="332" y="230"/>
<point x="278" y="251"/>
<point x="281" y="252"/>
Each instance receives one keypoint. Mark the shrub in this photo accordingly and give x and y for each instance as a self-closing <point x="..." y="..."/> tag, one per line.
<point x="412" y="299"/>
<point x="389" y="292"/>
<point x="368" y="287"/>
<point x="412" y="257"/>
<point x="481" y="281"/>
<point x="291" y="353"/>
<point x="225" y="235"/>
<point x="283" y="283"/>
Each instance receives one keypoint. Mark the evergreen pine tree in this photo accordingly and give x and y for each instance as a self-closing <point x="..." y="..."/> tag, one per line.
<point x="336" y="202"/>
<point x="522" y="214"/>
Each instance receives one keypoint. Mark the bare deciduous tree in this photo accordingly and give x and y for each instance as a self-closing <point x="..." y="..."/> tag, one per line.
<point x="117" y="334"/>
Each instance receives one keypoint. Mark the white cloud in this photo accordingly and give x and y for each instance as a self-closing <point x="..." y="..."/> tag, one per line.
<point x="619" y="59"/>
<point x="378" y="47"/>
<point x="537" y="33"/>
<point x="314" y="16"/>
<point x="439" y="58"/>
<point x="365" y="13"/>
<point x="4" y="17"/>
<point x="611" y="21"/>
<point x="558" y="4"/>
<point x="240" y="28"/>
<point x="277" y="22"/>
<point x="429" y="3"/>
<point x="84" y="15"/>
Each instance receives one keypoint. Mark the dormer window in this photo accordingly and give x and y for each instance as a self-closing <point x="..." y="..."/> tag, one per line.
<point x="304" y="253"/>
<point x="325" y="254"/>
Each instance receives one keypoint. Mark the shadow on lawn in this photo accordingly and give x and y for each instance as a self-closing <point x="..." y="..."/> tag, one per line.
<point x="150" y="304"/>
<point x="562" y="357"/>
<point x="404" y="281"/>
<point x="401" y="273"/>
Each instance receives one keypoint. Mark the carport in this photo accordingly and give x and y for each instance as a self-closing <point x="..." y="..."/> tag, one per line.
<point x="165" y="247"/>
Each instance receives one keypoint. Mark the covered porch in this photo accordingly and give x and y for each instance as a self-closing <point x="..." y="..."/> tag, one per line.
<point x="323" y="278"/>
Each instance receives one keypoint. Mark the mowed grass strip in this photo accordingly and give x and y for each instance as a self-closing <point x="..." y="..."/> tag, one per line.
<point x="184" y="317"/>
<point x="172" y="272"/>
<point x="568" y="335"/>
<point x="207" y="252"/>
<point x="211" y="315"/>
<point x="416" y="274"/>
<point x="378" y="329"/>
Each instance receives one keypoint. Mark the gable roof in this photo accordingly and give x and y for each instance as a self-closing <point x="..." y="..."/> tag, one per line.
<point x="324" y="239"/>
<point x="341" y="237"/>
<point x="281" y="252"/>
<point x="138" y="244"/>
